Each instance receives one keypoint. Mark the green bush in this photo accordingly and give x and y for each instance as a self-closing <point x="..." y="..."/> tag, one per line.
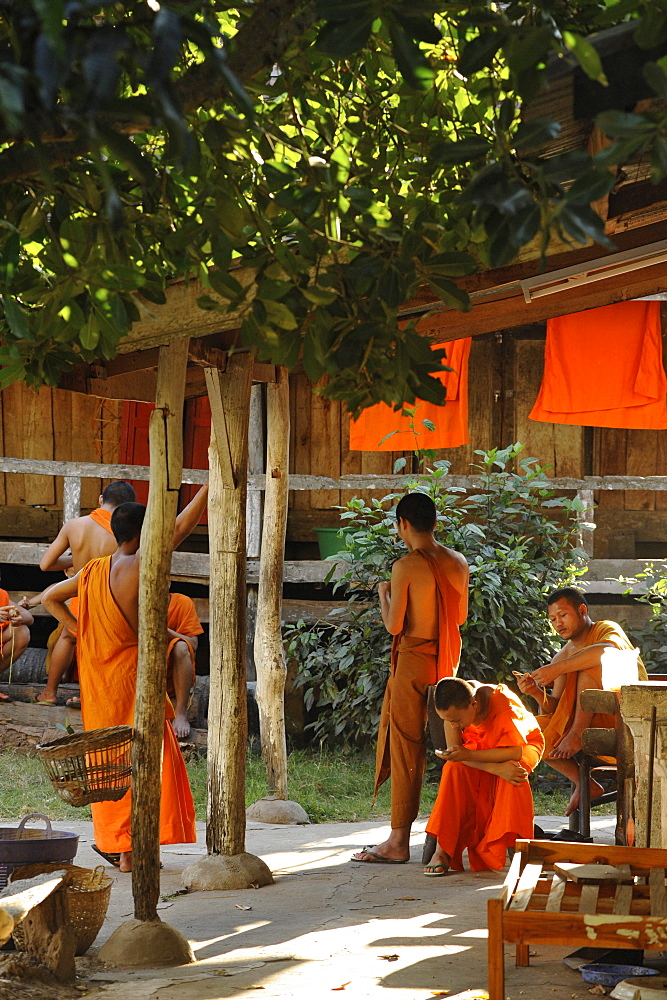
<point x="517" y="549"/>
<point x="651" y="637"/>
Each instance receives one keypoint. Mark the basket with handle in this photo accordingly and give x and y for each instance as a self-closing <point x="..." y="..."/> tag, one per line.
<point x="93" y="766"/>
<point x="88" y="892"/>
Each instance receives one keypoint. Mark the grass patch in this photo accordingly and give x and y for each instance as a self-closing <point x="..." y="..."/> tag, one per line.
<point x="332" y="786"/>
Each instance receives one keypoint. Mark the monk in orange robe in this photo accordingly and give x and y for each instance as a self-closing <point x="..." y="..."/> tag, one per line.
<point x="422" y="607"/>
<point x="183" y="627"/>
<point x="484" y="801"/>
<point x="574" y="668"/>
<point x="108" y="625"/>
<point x="14" y="633"/>
<point x="78" y="541"/>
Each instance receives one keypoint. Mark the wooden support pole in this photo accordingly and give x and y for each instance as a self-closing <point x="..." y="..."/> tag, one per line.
<point x="269" y="653"/>
<point x="166" y="450"/>
<point x="227" y="715"/>
<point x="253" y="517"/>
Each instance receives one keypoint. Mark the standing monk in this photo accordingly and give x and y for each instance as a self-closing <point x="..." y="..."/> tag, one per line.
<point x="78" y="541"/>
<point x="108" y="591"/>
<point x="484" y="801"/>
<point x="422" y="607"/>
<point x="574" y="668"/>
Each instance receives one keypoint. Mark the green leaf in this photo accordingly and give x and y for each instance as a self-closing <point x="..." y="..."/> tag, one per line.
<point x="464" y="150"/>
<point x="411" y="61"/>
<point x="623" y="124"/>
<point x="225" y="284"/>
<point x="90" y="334"/>
<point x="480" y="52"/>
<point x="587" y="56"/>
<point x="451" y="294"/>
<point x="535" y="132"/>
<point x="342" y="40"/>
<point x="278" y="314"/>
<point x="128" y="152"/>
<point x="418" y="27"/>
<point x="593" y="185"/>
<point x="318" y="296"/>
<point x="16" y="318"/>
<point x="582" y="223"/>
<point x="658" y="159"/>
<point x="450" y="265"/>
<point x="652" y="29"/>
<point x="655" y="76"/>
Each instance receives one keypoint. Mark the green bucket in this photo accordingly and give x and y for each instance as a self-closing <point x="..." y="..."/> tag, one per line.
<point x="329" y="541"/>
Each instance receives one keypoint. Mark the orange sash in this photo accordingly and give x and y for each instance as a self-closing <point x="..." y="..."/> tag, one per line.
<point x="102" y="517"/>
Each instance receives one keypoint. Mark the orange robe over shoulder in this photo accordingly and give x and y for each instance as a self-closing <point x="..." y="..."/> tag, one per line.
<point x="416" y="664"/>
<point x="181" y="618"/>
<point x="380" y="428"/>
<point x="603" y="368"/>
<point x="477" y="810"/>
<point x="4" y="601"/>
<point x="107" y="652"/>
<point x="556" y="725"/>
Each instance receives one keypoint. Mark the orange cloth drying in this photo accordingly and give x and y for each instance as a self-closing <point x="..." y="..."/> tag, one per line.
<point x="556" y="725"/>
<point x="478" y="810"/>
<point x="181" y="618"/>
<point x="415" y="665"/>
<point x="107" y="656"/>
<point x="102" y="517"/>
<point x="603" y="368"/>
<point x="369" y="432"/>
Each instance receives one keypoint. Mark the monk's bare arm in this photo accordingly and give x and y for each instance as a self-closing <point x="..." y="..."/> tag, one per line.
<point x="55" y="557"/>
<point x="54" y="600"/>
<point x="589" y="658"/>
<point x="190" y="516"/>
<point x="394" y="598"/>
<point x="192" y="639"/>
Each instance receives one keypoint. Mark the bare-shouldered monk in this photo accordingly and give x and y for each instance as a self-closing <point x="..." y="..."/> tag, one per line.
<point x="78" y="541"/>
<point x="422" y="607"/>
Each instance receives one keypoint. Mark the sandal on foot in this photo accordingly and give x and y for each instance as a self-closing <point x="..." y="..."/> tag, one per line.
<point x="377" y="859"/>
<point x="112" y="859"/>
<point x="73" y="702"/>
<point x="436" y="871"/>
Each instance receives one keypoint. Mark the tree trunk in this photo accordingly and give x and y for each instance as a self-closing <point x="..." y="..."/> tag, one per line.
<point x="269" y="653"/>
<point x="229" y="394"/>
<point x="166" y="450"/>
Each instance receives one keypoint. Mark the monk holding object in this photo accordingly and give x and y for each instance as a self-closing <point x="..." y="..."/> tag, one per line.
<point x="422" y="607"/>
<point x="575" y="667"/>
<point x="108" y="591"/>
<point x="14" y="633"/>
<point x="78" y="541"/>
<point x="484" y="801"/>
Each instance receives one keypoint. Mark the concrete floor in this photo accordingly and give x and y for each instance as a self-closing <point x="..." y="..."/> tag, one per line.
<point x="327" y="925"/>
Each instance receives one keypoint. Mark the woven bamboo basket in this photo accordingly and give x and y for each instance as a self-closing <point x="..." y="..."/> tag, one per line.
<point x="88" y="892"/>
<point x="93" y="766"/>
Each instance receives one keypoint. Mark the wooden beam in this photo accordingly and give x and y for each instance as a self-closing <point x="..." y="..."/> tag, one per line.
<point x="166" y="450"/>
<point x="219" y="431"/>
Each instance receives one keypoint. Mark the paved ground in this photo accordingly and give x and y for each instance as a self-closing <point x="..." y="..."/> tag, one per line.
<point x="329" y="926"/>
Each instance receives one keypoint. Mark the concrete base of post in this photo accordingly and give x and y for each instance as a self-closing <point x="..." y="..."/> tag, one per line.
<point x="147" y="944"/>
<point x="227" y="871"/>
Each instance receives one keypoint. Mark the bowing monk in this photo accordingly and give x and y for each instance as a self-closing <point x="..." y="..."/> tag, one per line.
<point x="422" y="607"/>
<point x="183" y="627"/>
<point x="484" y="801"/>
<point x="78" y="541"/>
<point x="108" y="625"/>
<point x="574" y="668"/>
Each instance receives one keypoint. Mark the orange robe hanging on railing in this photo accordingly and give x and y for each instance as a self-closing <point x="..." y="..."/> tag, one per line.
<point x="415" y="665"/>
<point x="107" y="653"/>
<point x="379" y="428"/>
<point x="603" y="368"/>
<point x="480" y="811"/>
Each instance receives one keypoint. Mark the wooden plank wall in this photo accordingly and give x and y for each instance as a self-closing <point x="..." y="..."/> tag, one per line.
<point x="60" y="425"/>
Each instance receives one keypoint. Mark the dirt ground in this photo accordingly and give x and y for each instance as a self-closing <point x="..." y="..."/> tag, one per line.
<point x="326" y="925"/>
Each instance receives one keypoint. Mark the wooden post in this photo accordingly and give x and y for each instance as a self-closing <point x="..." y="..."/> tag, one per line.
<point x="166" y="451"/>
<point x="253" y="519"/>
<point x="586" y="516"/>
<point x="269" y="652"/>
<point x="71" y="497"/>
<point x="227" y="866"/>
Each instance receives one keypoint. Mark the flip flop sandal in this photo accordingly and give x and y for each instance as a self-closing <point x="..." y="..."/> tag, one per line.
<point x="377" y="859"/>
<point x="112" y="859"/>
<point x="73" y="702"/>
<point x="5" y="699"/>
<point x="431" y="871"/>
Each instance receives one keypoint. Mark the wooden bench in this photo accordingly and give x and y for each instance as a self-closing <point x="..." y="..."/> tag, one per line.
<point x="536" y="905"/>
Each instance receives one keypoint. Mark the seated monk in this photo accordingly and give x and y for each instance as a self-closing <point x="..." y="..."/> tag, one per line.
<point x="183" y="627"/>
<point x="14" y="633"/>
<point x="484" y="802"/>
<point x="574" y="668"/>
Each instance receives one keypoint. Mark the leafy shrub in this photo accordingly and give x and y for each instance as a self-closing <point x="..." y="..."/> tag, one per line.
<point x="520" y="543"/>
<point x="651" y="637"/>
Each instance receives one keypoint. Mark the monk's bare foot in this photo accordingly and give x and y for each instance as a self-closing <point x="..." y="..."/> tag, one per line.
<point x="596" y="791"/>
<point x="125" y="861"/>
<point x="386" y="851"/>
<point x="181" y="726"/>
<point x="45" y="698"/>
<point x="438" y="865"/>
